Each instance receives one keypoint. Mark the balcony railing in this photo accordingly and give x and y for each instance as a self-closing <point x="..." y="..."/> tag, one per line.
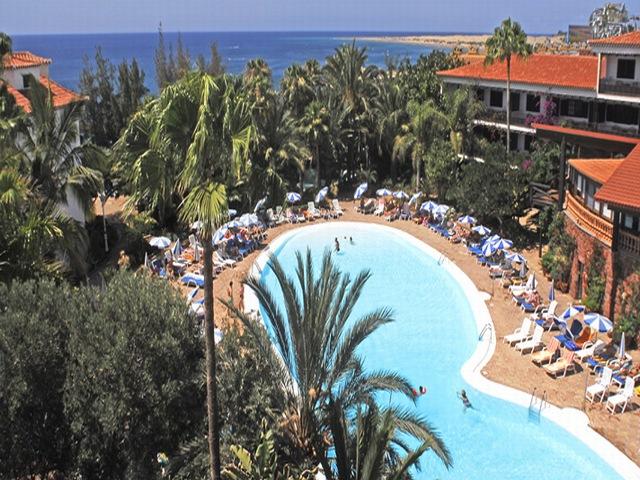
<point x="629" y="242"/>
<point x="592" y="223"/>
<point x="616" y="87"/>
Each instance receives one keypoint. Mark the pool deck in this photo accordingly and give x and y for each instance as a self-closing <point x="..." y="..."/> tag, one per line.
<point x="506" y="366"/>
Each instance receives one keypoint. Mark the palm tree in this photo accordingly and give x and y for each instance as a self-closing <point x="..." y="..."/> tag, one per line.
<point x="316" y="361"/>
<point x="508" y="40"/>
<point x="390" y="109"/>
<point x="461" y="108"/>
<point x="217" y="152"/>
<point x="5" y="48"/>
<point x="299" y="86"/>
<point x="314" y="126"/>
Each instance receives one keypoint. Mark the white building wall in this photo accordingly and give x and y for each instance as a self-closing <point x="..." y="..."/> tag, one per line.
<point x="14" y="77"/>
<point x="612" y="68"/>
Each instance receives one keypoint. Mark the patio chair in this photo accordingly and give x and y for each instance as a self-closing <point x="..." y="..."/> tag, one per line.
<point x="533" y="343"/>
<point x="336" y="206"/>
<point x="547" y="353"/>
<point x="563" y="364"/>
<point x="521" y="333"/>
<point x="601" y="387"/>
<point x="588" y="349"/>
<point x="622" y="398"/>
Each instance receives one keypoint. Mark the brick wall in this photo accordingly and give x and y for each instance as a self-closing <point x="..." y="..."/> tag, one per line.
<point x="585" y="245"/>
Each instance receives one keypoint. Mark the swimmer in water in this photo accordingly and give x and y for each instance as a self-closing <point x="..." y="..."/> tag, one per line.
<point x="351" y="240"/>
<point x="337" y="245"/>
<point x="462" y="395"/>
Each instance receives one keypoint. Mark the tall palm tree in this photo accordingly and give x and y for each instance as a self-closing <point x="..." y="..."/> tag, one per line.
<point x="217" y="152"/>
<point x="299" y="86"/>
<point x="508" y="40"/>
<point x="390" y="109"/>
<point x="316" y="362"/>
<point x="314" y="126"/>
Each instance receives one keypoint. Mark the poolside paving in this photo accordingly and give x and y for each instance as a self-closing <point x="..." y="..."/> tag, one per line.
<point x="506" y="366"/>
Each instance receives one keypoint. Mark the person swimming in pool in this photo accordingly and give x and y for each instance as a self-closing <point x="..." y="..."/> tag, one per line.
<point x="462" y="395"/>
<point x="337" y="245"/>
<point x="351" y="240"/>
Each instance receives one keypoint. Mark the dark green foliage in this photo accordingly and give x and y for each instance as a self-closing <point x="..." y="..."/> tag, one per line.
<point x="420" y="81"/>
<point x="96" y="382"/>
<point x="628" y="309"/>
<point x="596" y="281"/>
<point x="545" y="161"/>
<point x="558" y="259"/>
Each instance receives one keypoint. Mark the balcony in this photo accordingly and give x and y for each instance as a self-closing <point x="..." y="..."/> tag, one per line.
<point x="592" y="223"/>
<point x="628" y="242"/>
<point x="617" y="87"/>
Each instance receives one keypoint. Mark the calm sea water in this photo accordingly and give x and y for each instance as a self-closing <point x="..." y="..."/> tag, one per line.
<point x="279" y="49"/>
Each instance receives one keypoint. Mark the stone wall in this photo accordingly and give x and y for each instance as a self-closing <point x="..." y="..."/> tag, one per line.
<point x="585" y="244"/>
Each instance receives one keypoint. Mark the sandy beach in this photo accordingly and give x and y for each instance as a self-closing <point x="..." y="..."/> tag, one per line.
<point x="459" y="40"/>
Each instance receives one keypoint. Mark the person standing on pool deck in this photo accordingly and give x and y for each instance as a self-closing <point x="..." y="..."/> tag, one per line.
<point x="230" y="291"/>
<point x="462" y="395"/>
<point x="337" y="245"/>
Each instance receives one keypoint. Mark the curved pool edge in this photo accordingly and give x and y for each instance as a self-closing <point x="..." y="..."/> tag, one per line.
<point x="572" y="420"/>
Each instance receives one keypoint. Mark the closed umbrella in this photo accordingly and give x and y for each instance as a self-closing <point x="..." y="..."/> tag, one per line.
<point x="400" y="195"/>
<point x="322" y="194"/>
<point x="260" y="204"/>
<point x="360" y="191"/>
<point x="414" y="198"/>
<point x="468" y="219"/>
<point x="523" y="269"/>
<point x="572" y="311"/>
<point x="293" y="197"/>
<point x="621" y="351"/>
<point x="532" y="283"/>
<point x="516" y="257"/>
<point x="177" y="249"/>
<point x="384" y="192"/>
<point x="146" y="260"/>
<point x="598" y="322"/>
<point x="428" y="206"/>
<point x="552" y="292"/>
<point x="482" y="230"/>
<point x="159" y="242"/>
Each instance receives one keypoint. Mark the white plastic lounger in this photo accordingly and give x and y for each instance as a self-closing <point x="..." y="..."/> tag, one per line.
<point x="622" y="398"/>
<point x="520" y="334"/>
<point x="226" y="261"/>
<point x="336" y="206"/>
<point x="533" y="343"/>
<point x="600" y="388"/>
<point x="588" y="349"/>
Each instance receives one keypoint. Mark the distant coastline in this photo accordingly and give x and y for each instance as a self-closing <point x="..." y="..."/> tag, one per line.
<point x="448" y="41"/>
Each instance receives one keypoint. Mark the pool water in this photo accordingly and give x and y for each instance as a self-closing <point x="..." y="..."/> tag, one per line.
<point x="433" y="334"/>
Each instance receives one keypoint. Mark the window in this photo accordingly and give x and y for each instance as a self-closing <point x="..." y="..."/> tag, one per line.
<point x="626" y="68"/>
<point x="513" y="141"/>
<point x="606" y="212"/>
<point x="515" y="101"/>
<point x="533" y="103"/>
<point x="527" y="142"/>
<point x="574" y="108"/>
<point x="480" y="94"/>
<point x="26" y="80"/>
<point x="624" y="114"/>
<point x="495" y="99"/>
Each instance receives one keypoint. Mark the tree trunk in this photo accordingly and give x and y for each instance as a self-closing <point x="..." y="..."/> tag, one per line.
<point x="508" y="104"/>
<point x="317" y="166"/>
<point x="210" y="345"/>
<point x="418" y="175"/>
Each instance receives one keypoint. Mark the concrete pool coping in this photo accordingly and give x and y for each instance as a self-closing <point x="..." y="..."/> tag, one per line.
<point x="572" y="420"/>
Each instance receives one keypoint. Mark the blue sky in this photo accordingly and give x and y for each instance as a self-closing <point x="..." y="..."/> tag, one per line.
<point x="83" y="16"/>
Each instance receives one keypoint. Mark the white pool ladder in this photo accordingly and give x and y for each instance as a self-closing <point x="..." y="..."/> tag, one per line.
<point x="536" y="404"/>
<point x="485" y="329"/>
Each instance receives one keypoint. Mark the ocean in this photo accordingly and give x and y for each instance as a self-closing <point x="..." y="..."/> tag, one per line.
<point x="279" y="49"/>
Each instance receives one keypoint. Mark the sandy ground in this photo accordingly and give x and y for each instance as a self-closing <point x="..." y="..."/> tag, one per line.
<point x="451" y="41"/>
<point x="506" y="366"/>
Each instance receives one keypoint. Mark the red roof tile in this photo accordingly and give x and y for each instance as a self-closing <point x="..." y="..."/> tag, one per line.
<point x="599" y="169"/>
<point x="61" y="96"/>
<point x="623" y="187"/>
<point x="573" y="71"/>
<point x="631" y="39"/>
<point x="586" y="133"/>
<point x="23" y="60"/>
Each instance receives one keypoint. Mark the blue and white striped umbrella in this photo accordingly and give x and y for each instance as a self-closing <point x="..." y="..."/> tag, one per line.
<point x="468" y="219"/>
<point x="516" y="257"/>
<point x="429" y="206"/>
<point x="414" y="198"/>
<point x="177" y="249"/>
<point x="293" y="197"/>
<point x="360" y="191"/>
<point x="400" y="195"/>
<point x="246" y="220"/>
<point x="488" y="249"/>
<point x="481" y="230"/>
<point x="552" y="292"/>
<point x="260" y="204"/>
<point x="503" y="244"/>
<point x="322" y="194"/>
<point x="160" y="242"/>
<point x="598" y="322"/>
<point x="572" y="311"/>
<point x="232" y="213"/>
<point x="218" y="236"/>
<point x="441" y="209"/>
<point x="384" y="192"/>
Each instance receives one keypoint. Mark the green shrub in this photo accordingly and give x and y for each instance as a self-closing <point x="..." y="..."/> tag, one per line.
<point x="596" y="281"/>
<point x="557" y="261"/>
<point x="628" y="309"/>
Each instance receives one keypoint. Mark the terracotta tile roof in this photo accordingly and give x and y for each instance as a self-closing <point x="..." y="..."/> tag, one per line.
<point x="15" y="60"/>
<point x="61" y="96"/>
<point x="599" y="169"/>
<point x="573" y="71"/>
<point x="623" y="187"/>
<point x="631" y="39"/>
<point x="586" y="133"/>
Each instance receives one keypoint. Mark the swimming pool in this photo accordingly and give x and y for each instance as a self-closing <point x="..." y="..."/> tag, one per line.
<point x="433" y="340"/>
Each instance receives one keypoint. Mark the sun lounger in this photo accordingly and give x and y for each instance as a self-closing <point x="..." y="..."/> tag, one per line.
<point x="379" y="211"/>
<point x="547" y="353"/>
<point x="336" y="206"/>
<point x="563" y="364"/>
<point x="586" y="335"/>
<point x="520" y="334"/>
<point x="311" y="208"/>
<point x="192" y="279"/>
<point x="225" y="261"/>
<point x="533" y="343"/>
<point x="601" y="387"/>
<point x="622" y="398"/>
<point x="588" y="349"/>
